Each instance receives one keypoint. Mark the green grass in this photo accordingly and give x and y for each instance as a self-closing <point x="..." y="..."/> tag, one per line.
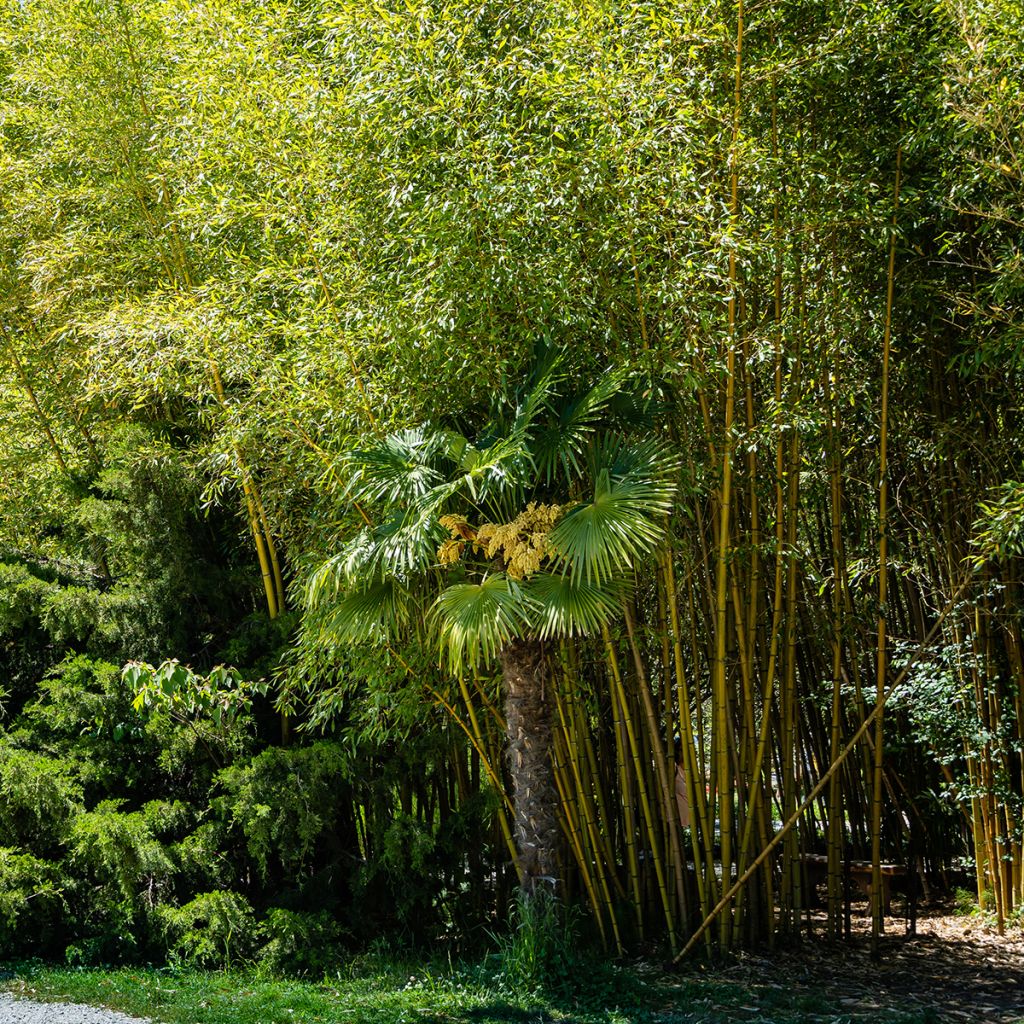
<point x="383" y="992"/>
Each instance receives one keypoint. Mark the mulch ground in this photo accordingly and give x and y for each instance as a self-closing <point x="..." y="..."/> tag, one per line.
<point x="957" y="968"/>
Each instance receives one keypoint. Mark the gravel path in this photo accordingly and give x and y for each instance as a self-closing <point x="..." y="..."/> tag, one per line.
<point x="24" y="1011"/>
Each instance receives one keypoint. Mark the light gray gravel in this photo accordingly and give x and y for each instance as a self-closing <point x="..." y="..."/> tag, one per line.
<point x="24" y="1011"/>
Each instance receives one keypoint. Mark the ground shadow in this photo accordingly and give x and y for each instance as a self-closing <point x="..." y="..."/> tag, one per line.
<point x="954" y="969"/>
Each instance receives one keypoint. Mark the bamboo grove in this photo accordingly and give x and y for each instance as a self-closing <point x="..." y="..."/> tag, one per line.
<point x="246" y="243"/>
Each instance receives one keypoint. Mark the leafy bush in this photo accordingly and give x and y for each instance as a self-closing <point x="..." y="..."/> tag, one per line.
<point x="21" y="594"/>
<point x="216" y="929"/>
<point x="202" y="856"/>
<point x="30" y="900"/>
<point x="286" y="832"/>
<point x="122" y="849"/>
<point x="38" y="794"/>
<point x="299" y="943"/>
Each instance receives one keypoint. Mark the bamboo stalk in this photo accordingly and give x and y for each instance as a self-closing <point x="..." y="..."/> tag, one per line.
<point x="587" y="810"/>
<point x="645" y="803"/>
<point x="823" y="781"/>
<point x="30" y="392"/>
<point x="570" y="811"/>
<point x="835" y="808"/>
<point x="699" y="811"/>
<point x="476" y="738"/>
<point x="665" y="781"/>
<point x="628" y="814"/>
<point x="883" y="574"/>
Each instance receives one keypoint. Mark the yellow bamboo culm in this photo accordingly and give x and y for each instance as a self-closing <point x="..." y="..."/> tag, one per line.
<point x="572" y="827"/>
<point x="476" y="737"/>
<point x="851" y="745"/>
<point x="628" y="813"/>
<point x="701" y="825"/>
<point x="641" y="781"/>
<point x="587" y="812"/>
<point x="719" y="688"/>
<point x="665" y="779"/>
<point x="883" y="574"/>
<point x="836" y="830"/>
<point x="30" y="393"/>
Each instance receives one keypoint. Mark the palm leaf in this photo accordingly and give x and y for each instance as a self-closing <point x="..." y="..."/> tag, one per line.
<point x="562" y="444"/>
<point x="404" y="544"/>
<point x="625" y="520"/>
<point x="568" y="607"/>
<point x="490" y="473"/>
<point x="506" y="465"/>
<point x="536" y="399"/>
<point x="477" y="619"/>
<point x="650" y="461"/>
<point x="326" y="582"/>
<point x="364" y="613"/>
<point x="399" y="468"/>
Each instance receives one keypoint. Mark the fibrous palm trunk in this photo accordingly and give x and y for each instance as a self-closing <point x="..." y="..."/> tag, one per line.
<point x="534" y="797"/>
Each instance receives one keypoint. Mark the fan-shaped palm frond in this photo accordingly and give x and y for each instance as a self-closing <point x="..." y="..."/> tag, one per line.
<point x="399" y="468"/>
<point x="356" y="556"/>
<point x="454" y="446"/>
<point x="534" y="401"/>
<point x="363" y="613"/>
<point x="477" y="619"/>
<point x="649" y="461"/>
<point x="499" y="471"/>
<point x="624" y="521"/>
<point x="402" y="546"/>
<point x="326" y="582"/>
<point x="567" y="607"/>
<point x="562" y="443"/>
<point x="506" y="464"/>
<point x="406" y="543"/>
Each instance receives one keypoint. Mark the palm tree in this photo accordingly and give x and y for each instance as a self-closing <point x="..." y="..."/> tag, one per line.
<point x="500" y="546"/>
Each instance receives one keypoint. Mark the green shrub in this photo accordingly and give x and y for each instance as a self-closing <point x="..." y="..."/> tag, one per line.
<point x="108" y="928"/>
<point x="122" y="849"/>
<point x="38" y="794"/>
<point x="285" y="832"/>
<point x="216" y="929"/>
<point x="21" y="595"/>
<point x="202" y="855"/>
<point x="30" y="900"/>
<point x="965" y="903"/>
<point x="80" y="698"/>
<point x="299" y="943"/>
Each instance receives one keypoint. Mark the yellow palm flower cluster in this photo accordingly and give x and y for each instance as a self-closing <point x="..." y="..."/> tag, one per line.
<point x="451" y="550"/>
<point x="522" y="543"/>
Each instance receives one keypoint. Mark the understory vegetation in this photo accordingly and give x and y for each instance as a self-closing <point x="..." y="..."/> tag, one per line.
<point x="462" y="455"/>
<point x="373" y="990"/>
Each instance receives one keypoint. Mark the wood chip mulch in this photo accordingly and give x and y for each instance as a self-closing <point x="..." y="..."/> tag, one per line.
<point x="956" y="968"/>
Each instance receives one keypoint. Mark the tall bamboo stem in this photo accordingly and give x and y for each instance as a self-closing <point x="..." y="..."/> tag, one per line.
<point x="883" y="576"/>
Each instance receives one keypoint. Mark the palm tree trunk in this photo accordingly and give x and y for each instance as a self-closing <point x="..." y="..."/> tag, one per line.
<point x="534" y="797"/>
